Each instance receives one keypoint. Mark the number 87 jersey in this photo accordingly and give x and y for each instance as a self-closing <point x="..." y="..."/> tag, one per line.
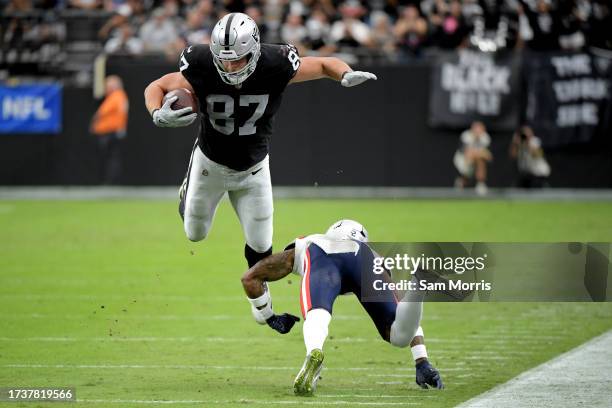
<point x="236" y="121"/>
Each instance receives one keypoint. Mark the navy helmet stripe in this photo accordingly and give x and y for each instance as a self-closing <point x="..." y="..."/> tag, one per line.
<point x="228" y="27"/>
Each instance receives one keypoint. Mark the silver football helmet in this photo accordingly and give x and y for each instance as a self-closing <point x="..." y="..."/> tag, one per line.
<point x="347" y="229"/>
<point x="235" y="36"/>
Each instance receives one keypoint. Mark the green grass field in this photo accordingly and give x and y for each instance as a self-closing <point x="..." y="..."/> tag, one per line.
<point x="111" y="298"/>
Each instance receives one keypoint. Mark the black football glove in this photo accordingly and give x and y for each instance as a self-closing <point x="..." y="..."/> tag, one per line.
<point x="426" y="375"/>
<point x="282" y="323"/>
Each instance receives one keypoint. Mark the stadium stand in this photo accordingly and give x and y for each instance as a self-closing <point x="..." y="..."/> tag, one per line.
<point x="61" y="38"/>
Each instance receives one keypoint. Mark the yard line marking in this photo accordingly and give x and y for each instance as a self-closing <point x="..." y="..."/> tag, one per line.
<point x="125" y="316"/>
<point x="130" y="297"/>
<point x="131" y="316"/>
<point x="176" y="339"/>
<point x="514" y="336"/>
<point x="442" y="370"/>
<point x="492" y="347"/>
<point x="444" y="346"/>
<point x="197" y="367"/>
<point x="245" y="401"/>
<point x="479" y="357"/>
<point x="387" y="375"/>
<point x="579" y="377"/>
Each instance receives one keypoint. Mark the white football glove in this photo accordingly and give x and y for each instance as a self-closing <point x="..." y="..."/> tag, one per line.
<point x="352" y="78"/>
<point x="166" y="117"/>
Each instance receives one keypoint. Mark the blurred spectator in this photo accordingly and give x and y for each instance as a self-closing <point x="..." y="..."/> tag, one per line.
<point x="31" y="42"/>
<point x="299" y="7"/>
<point x="317" y="30"/>
<point x="293" y="31"/>
<point x="124" y="42"/>
<point x="234" y="6"/>
<point x="600" y="24"/>
<point x="532" y="165"/>
<point x="112" y="5"/>
<point x="171" y="11"/>
<point x="411" y="31"/>
<point x="158" y="34"/>
<point x="255" y="13"/>
<point x="472" y="157"/>
<point x="544" y="23"/>
<point x="448" y="26"/>
<point x="493" y="25"/>
<point x="382" y="33"/>
<point x="132" y="12"/>
<point x="85" y="4"/>
<point x="471" y="10"/>
<point x="109" y="125"/>
<point x="571" y="25"/>
<point x="209" y="18"/>
<point x="193" y="30"/>
<point x="15" y="6"/>
<point x="350" y="31"/>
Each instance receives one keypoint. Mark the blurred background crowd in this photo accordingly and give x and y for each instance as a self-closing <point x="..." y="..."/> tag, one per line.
<point x="48" y="34"/>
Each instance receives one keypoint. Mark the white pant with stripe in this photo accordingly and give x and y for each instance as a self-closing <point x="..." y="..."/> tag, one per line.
<point x="250" y="192"/>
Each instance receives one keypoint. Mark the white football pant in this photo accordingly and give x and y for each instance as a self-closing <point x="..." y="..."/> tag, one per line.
<point x="250" y="192"/>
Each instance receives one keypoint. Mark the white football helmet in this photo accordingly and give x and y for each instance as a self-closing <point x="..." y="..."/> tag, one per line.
<point x="235" y="36"/>
<point x="348" y="229"/>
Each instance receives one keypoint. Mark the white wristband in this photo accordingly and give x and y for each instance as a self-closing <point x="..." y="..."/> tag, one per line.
<point x="263" y="304"/>
<point x="262" y="300"/>
<point x="418" y="351"/>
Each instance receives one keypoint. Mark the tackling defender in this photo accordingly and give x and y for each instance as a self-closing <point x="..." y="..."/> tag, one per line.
<point x="330" y="265"/>
<point x="239" y="83"/>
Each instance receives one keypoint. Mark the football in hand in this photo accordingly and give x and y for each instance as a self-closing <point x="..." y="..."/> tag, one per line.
<point x="186" y="99"/>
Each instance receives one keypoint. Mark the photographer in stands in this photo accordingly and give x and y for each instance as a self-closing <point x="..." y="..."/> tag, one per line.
<point x="527" y="151"/>
<point x="472" y="157"/>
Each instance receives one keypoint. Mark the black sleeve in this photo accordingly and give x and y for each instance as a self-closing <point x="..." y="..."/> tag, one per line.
<point x="289" y="62"/>
<point x="193" y="64"/>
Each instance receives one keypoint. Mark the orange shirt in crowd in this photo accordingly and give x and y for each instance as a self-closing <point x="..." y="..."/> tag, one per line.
<point x="112" y="115"/>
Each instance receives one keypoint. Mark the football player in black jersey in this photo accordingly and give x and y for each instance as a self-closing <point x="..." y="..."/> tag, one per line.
<point x="239" y="83"/>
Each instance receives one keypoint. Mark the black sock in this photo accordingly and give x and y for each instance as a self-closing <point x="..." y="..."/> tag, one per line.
<point x="253" y="256"/>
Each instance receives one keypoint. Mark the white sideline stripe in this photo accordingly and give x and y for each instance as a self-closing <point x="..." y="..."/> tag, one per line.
<point x="321" y="192"/>
<point x="243" y="401"/>
<point x="364" y="396"/>
<point x="579" y="377"/>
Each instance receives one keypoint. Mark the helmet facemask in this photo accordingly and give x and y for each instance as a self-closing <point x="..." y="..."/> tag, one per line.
<point x="238" y="77"/>
<point x="235" y="36"/>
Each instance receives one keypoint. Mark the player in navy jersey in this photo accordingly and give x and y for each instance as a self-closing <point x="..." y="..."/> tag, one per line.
<point x="239" y="83"/>
<point x="331" y="264"/>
